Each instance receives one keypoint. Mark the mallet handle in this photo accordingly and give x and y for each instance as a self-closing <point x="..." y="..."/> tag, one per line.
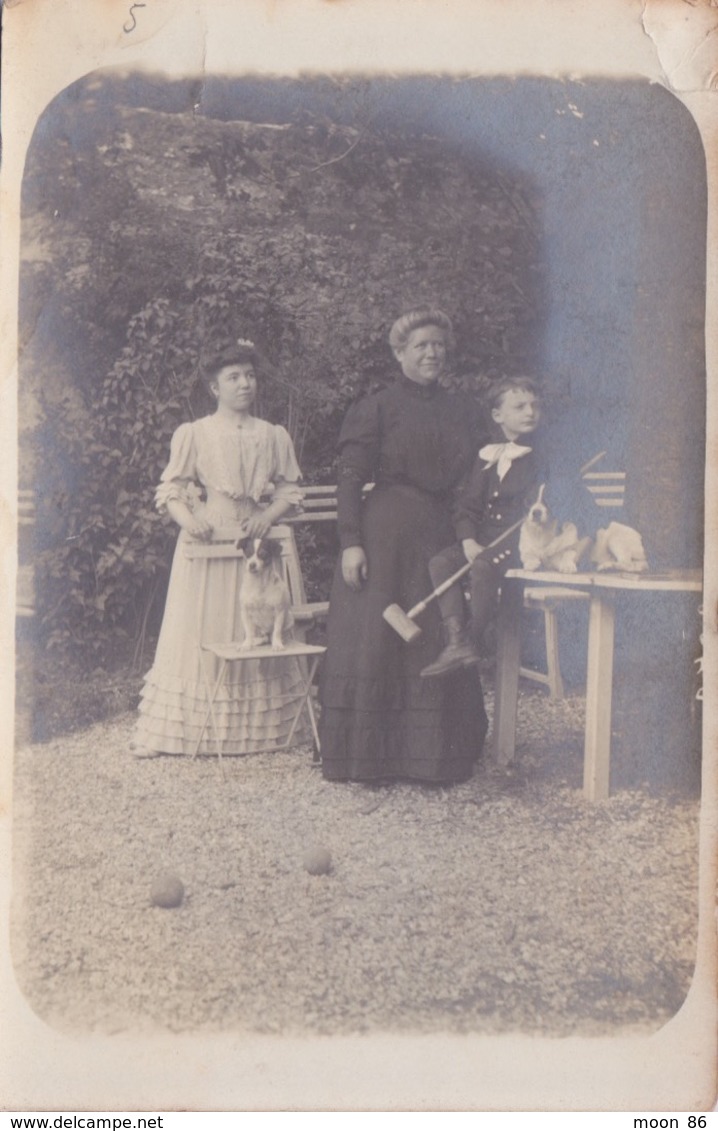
<point x="459" y="573"/>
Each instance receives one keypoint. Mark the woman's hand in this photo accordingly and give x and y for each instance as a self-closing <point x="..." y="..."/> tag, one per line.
<point x="471" y="548"/>
<point x="355" y="568"/>
<point x="198" y="528"/>
<point x="257" y="525"/>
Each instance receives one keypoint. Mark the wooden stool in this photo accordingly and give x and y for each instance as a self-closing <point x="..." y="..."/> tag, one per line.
<point x="233" y="653"/>
<point x="547" y="599"/>
<point x="224" y="544"/>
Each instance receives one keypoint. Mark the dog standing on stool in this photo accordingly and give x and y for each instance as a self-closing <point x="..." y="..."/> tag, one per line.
<point x="264" y="600"/>
<point x="543" y="546"/>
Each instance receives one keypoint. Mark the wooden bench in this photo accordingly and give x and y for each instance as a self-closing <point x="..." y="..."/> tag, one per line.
<point x="608" y="488"/>
<point x="548" y="600"/>
<point x="320" y="505"/>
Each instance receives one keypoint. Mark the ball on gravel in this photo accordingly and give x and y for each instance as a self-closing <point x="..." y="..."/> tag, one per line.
<point x="167" y="890"/>
<point x="317" y="861"/>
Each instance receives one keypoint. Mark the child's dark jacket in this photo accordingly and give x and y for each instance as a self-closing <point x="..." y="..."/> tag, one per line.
<point x="487" y="505"/>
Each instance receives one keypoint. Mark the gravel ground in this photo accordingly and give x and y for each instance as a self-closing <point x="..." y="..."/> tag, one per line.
<point x="508" y="903"/>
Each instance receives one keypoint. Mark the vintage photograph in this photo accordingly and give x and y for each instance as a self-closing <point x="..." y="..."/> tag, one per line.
<point x="361" y="454"/>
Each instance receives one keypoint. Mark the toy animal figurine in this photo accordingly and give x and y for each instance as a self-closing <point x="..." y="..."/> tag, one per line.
<point x="543" y="546"/>
<point x="619" y="547"/>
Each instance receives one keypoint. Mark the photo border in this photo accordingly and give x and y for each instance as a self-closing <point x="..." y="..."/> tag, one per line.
<point x="47" y="47"/>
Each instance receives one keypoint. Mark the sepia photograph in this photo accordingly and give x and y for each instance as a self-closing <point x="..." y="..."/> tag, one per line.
<point x="360" y="626"/>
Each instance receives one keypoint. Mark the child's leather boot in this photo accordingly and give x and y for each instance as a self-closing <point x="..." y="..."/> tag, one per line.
<point x="459" y="652"/>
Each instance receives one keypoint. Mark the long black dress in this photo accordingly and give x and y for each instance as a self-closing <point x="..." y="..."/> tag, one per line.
<point x="379" y="719"/>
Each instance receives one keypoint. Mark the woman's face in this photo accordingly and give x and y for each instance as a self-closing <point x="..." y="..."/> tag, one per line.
<point x="424" y="356"/>
<point x="235" y="387"/>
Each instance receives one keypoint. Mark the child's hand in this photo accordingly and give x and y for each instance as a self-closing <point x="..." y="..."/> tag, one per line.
<point x="471" y="548"/>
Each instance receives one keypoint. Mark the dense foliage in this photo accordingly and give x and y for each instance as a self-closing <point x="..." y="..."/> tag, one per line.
<point x="146" y="233"/>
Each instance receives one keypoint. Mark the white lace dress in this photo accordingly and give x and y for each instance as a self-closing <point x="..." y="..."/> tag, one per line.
<point x="258" y="699"/>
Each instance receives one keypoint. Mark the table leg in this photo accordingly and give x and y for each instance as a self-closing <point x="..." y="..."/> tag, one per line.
<point x="211" y="692"/>
<point x="508" y="660"/>
<point x="599" y="686"/>
<point x="312" y="715"/>
<point x="305" y="702"/>
<point x="215" y="728"/>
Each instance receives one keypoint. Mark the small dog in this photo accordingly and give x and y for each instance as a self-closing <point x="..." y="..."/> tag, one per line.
<point x="543" y="546"/>
<point x="264" y="600"/>
<point x="619" y="547"/>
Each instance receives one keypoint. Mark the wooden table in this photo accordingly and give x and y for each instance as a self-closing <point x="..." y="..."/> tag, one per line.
<point x="599" y="678"/>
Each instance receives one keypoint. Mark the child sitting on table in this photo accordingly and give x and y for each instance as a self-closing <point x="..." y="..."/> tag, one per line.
<point x="499" y="490"/>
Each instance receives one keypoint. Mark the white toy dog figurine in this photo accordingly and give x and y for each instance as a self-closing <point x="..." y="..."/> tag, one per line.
<point x="619" y="547"/>
<point x="543" y="546"/>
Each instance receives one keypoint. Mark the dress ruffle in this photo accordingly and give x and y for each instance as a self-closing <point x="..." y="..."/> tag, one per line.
<point x="253" y="711"/>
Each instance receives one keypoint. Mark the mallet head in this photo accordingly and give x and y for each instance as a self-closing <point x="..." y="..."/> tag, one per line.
<point x="395" y="616"/>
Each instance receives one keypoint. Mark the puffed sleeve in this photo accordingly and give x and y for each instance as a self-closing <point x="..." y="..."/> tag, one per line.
<point x="359" y="445"/>
<point x="180" y="471"/>
<point x="286" y="474"/>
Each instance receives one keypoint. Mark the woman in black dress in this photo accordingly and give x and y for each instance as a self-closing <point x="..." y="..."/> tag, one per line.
<point x="415" y="441"/>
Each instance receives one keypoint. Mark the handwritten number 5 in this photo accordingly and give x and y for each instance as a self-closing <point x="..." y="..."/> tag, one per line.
<point x="133" y="25"/>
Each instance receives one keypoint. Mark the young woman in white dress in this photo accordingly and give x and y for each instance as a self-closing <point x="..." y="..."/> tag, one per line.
<point x="230" y="469"/>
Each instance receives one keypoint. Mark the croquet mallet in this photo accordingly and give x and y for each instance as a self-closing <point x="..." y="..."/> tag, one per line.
<point x="404" y="623"/>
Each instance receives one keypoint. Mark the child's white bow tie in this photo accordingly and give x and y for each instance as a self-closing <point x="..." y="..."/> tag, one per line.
<point x="503" y="455"/>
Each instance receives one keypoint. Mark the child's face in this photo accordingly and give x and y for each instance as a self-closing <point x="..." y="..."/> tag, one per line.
<point x="518" y="414"/>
